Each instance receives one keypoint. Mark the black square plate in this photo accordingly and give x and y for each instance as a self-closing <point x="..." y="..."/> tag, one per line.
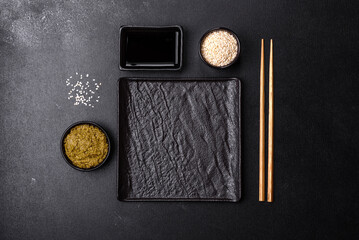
<point x="151" y="48"/>
<point x="179" y="139"/>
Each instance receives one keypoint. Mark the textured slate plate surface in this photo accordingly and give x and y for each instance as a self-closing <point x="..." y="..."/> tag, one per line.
<point x="180" y="139"/>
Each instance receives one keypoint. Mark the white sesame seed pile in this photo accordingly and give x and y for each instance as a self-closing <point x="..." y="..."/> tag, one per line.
<point x="83" y="90"/>
<point x="219" y="48"/>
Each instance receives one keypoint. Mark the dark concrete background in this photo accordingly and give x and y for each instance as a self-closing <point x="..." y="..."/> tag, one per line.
<point x="316" y="119"/>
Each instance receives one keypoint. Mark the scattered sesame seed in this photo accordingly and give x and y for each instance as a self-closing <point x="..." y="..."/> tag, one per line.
<point x="84" y="91"/>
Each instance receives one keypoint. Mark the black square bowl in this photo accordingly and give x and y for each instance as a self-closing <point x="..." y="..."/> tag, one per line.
<point x="151" y="47"/>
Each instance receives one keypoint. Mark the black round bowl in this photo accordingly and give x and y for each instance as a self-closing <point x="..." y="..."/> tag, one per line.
<point x="213" y="30"/>
<point x="68" y="161"/>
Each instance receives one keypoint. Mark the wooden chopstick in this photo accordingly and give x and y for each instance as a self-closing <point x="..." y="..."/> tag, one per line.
<point x="262" y="129"/>
<point x="270" y="127"/>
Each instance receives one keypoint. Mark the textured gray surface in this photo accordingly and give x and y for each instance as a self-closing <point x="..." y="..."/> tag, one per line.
<point x="316" y="119"/>
<point x="181" y="139"/>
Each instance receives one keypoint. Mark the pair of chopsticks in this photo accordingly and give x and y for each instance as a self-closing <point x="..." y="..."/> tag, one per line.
<point x="262" y="129"/>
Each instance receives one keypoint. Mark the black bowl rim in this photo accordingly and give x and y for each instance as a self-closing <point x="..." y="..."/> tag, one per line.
<point x="216" y="29"/>
<point x="68" y="161"/>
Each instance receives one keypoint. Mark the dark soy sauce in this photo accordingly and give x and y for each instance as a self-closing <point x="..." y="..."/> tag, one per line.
<point x="152" y="48"/>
